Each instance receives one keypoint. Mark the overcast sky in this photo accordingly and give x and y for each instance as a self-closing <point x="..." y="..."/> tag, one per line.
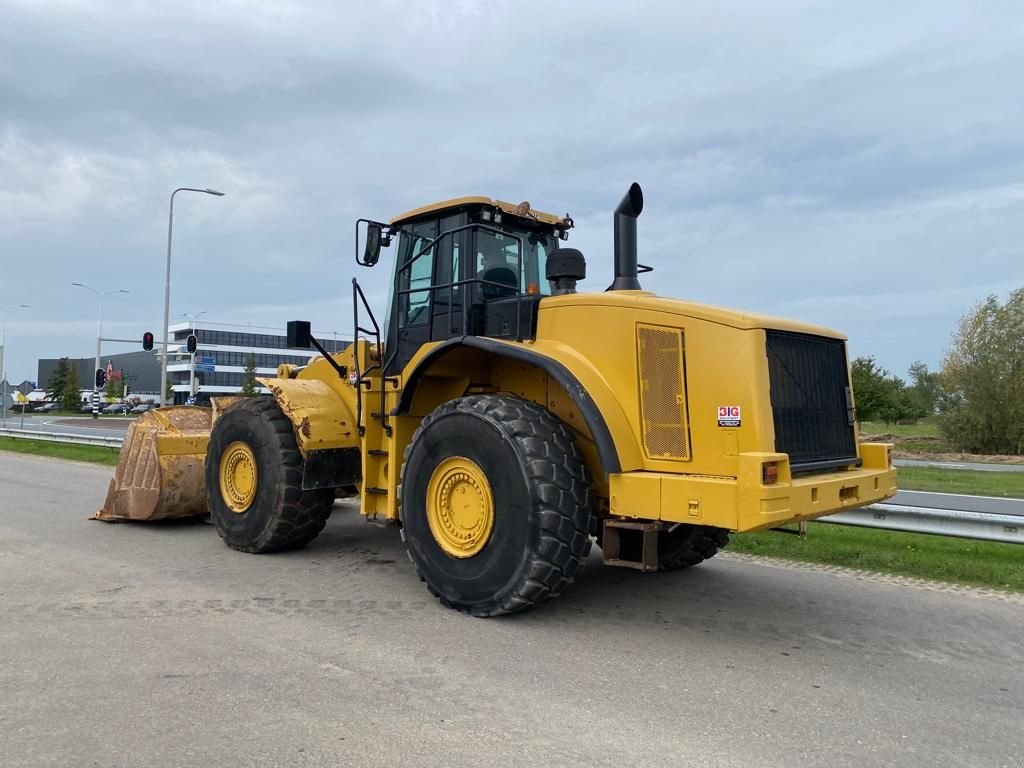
<point x="858" y="165"/>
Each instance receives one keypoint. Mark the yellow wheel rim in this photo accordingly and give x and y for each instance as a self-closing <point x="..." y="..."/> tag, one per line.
<point x="238" y="477"/>
<point x="460" y="507"/>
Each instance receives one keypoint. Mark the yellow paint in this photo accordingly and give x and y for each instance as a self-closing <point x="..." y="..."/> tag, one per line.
<point x="507" y="209"/>
<point x="460" y="507"/>
<point x="322" y="416"/>
<point x="239" y="477"/>
<point x="725" y="502"/>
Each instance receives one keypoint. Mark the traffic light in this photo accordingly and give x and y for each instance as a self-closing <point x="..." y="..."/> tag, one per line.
<point x="101" y="378"/>
<point x="147" y="341"/>
<point x="190" y="344"/>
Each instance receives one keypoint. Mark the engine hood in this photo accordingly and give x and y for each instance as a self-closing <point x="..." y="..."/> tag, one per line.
<point x="645" y="300"/>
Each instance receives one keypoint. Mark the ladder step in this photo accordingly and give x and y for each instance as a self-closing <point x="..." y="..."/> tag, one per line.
<point x="377" y="491"/>
<point x="377" y="452"/>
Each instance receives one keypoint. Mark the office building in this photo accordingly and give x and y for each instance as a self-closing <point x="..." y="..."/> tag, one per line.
<point x="225" y="349"/>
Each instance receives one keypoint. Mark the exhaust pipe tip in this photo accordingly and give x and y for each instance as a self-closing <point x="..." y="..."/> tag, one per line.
<point x="631" y="205"/>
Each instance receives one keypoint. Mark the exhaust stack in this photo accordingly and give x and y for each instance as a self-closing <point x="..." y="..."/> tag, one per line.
<point x="625" y="240"/>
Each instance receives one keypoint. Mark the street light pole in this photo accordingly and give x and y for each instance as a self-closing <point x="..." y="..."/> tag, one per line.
<point x="167" y="285"/>
<point x="3" y="346"/>
<point x="99" y="333"/>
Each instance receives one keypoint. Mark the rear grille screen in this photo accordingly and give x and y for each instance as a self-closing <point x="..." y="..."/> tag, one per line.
<point x="810" y="398"/>
<point x="660" y="352"/>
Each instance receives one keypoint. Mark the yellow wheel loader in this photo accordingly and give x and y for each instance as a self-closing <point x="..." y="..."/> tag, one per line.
<point x="503" y="421"/>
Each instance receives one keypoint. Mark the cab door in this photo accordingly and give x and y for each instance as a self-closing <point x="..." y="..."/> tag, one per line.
<point x="428" y="306"/>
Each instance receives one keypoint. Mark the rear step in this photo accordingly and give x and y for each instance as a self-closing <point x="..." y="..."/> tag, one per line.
<point x="630" y="544"/>
<point x="377" y="452"/>
<point x="377" y="491"/>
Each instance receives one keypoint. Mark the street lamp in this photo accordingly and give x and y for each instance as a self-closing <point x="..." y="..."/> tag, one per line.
<point x="3" y="333"/>
<point x="167" y="284"/>
<point x="192" y="357"/>
<point x="99" y="332"/>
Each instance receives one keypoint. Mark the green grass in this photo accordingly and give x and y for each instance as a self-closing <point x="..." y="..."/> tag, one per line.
<point x="967" y="481"/>
<point x="942" y="558"/>
<point x="92" y="453"/>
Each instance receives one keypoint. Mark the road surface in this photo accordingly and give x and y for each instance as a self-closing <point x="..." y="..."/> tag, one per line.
<point x="154" y="645"/>
<point x="107" y="426"/>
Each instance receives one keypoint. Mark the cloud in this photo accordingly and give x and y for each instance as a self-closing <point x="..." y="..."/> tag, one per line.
<point x="855" y="164"/>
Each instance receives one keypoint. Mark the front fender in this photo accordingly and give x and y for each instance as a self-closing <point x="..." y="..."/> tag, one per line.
<point x="321" y="418"/>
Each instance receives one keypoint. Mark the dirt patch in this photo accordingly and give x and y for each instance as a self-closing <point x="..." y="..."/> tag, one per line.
<point x="959" y="457"/>
<point x="923" y="441"/>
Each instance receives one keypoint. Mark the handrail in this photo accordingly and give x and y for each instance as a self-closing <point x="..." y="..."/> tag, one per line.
<point x="359" y="297"/>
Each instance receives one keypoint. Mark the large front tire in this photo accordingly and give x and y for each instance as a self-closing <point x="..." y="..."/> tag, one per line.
<point x="495" y="504"/>
<point x="254" y="481"/>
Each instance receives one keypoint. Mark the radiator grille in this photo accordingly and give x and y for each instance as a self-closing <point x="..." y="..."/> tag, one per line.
<point x="661" y="356"/>
<point x="811" y="403"/>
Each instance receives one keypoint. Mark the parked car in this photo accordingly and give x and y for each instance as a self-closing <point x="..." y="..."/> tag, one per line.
<point x="142" y="408"/>
<point x="115" y="408"/>
<point x="86" y="408"/>
<point x="48" y="408"/>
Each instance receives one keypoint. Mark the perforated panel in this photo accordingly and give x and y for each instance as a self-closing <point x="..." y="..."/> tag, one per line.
<point x="661" y="356"/>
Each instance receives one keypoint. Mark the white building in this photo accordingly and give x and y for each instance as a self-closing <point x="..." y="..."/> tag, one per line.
<point x="226" y="348"/>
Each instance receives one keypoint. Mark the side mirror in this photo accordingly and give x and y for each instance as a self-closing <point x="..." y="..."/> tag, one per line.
<point x="299" y="334"/>
<point x="377" y="236"/>
<point x="372" y="251"/>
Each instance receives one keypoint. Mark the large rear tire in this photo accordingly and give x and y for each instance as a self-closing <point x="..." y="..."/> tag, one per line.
<point x="254" y="481"/>
<point x="495" y="503"/>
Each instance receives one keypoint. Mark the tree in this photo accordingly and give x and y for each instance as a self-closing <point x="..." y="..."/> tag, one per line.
<point x="924" y="391"/>
<point x="249" y="385"/>
<point x="876" y="391"/>
<point x="71" y="395"/>
<point x="982" y="404"/>
<point x="55" y="385"/>
<point x="882" y="396"/>
<point x="113" y="389"/>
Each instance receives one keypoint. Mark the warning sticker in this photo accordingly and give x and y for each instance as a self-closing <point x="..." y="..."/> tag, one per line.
<point x="728" y="415"/>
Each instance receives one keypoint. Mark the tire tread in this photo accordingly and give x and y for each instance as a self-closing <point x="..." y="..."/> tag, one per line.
<point x="559" y="484"/>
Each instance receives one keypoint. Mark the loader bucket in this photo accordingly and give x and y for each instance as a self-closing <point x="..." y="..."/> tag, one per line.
<point x="160" y="471"/>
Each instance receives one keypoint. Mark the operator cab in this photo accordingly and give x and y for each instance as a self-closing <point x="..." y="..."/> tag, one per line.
<point x="466" y="267"/>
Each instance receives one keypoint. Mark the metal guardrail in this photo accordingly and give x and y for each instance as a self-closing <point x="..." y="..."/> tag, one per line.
<point x="982" y="526"/>
<point x="60" y="437"/>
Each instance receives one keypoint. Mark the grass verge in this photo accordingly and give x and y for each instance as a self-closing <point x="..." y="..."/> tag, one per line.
<point x="969" y="481"/>
<point x="940" y="558"/>
<point x="93" y="453"/>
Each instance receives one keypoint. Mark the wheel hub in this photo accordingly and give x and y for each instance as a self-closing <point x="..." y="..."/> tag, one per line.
<point x="460" y="507"/>
<point x="238" y="477"/>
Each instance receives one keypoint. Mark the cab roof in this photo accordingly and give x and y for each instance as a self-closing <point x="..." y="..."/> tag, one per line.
<point x="522" y="210"/>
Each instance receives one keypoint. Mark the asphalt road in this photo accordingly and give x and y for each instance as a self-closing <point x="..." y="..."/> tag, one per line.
<point x="106" y="426"/>
<point x="154" y="645"/>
